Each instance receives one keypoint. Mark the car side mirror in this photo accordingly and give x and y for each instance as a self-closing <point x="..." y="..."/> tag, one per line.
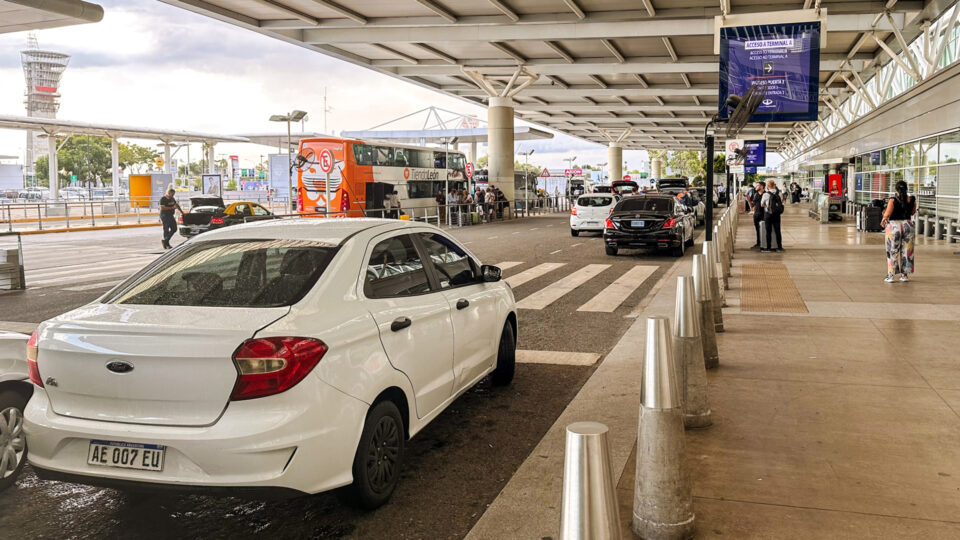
<point x="490" y="273"/>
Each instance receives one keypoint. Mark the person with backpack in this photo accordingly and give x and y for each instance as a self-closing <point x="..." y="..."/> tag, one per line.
<point x="772" y="205"/>
<point x="753" y="199"/>
<point x="899" y="234"/>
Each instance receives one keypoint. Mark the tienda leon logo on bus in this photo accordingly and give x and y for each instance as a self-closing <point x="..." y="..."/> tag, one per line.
<point x="768" y="44"/>
<point x="406" y="174"/>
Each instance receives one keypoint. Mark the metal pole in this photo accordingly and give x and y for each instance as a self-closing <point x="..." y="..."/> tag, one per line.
<point x="289" y="167"/>
<point x="326" y="187"/>
<point x="708" y="142"/>
<point x="446" y="182"/>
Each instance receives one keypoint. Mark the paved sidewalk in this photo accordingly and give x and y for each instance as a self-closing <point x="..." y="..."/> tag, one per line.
<point x="840" y="422"/>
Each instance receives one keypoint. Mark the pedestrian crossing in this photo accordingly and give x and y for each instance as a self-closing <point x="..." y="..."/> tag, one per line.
<point x="71" y="269"/>
<point x="607" y="300"/>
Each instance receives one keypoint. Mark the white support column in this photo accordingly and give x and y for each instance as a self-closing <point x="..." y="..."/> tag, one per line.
<point x="615" y="161"/>
<point x="53" y="168"/>
<point x="500" y="144"/>
<point x="211" y="166"/>
<point x="473" y="153"/>
<point x="167" y="166"/>
<point x="115" y="167"/>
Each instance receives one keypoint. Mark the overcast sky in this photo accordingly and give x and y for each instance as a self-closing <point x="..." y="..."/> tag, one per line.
<point x="148" y="64"/>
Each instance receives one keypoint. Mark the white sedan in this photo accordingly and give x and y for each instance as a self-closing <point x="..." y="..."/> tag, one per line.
<point x="15" y="390"/>
<point x="590" y="212"/>
<point x="294" y="355"/>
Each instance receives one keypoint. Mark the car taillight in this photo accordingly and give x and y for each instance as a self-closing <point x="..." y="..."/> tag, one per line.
<point x="216" y="221"/>
<point x="573" y="211"/>
<point x="609" y="224"/>
<point x="269" y="366"/>
<point x="180" y="219"/>
<point x="32" y="353"/>
<point x="668" y="224"/>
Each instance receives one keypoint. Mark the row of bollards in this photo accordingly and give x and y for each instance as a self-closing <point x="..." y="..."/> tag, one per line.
<point x="673" y="397"/>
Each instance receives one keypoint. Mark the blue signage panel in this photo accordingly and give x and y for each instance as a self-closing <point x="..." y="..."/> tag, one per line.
<point x="785" y="58"/>
<point x="749" y="170"/>
<point x="756" y="153"/>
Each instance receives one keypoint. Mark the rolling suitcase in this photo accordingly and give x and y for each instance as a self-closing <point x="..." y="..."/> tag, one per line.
<point x="872" y="216"/>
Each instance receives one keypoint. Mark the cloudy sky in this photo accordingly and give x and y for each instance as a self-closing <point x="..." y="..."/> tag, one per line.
<point x="152" y="65"/>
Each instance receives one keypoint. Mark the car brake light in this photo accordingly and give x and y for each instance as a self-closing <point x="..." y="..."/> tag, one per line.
<point x="609" y="224"/>
<point x="269" y="366"/>
<point x="668" y="224"/>
<point x="573" y="211"/>
<point x="32" y="353"/>
<point x="180" y="219"/>
<point x="216" y="221"/>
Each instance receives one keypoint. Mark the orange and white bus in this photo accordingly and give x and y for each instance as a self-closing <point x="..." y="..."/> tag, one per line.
<point x="365" y="173"/>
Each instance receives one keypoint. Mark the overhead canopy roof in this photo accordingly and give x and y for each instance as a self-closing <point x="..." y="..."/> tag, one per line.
<point x="278" y="139"/>
<point x="603" y="65"/>
<point x="68" y="127"/>
<point x="22" y="15"/>
<point x="439" y="136"/>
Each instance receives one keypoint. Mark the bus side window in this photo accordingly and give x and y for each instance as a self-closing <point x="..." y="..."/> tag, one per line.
<point x="363" y="154"/>
<point x="439" y="160"/>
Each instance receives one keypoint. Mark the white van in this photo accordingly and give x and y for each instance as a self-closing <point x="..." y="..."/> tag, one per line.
<point x="590" y="212"/>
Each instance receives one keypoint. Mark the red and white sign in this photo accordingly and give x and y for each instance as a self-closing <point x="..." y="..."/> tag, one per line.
<point x="626" y="178"/>
<point x="545" y="173"/>
<point x="470" y="122"/>
<point x="573" y="172"/>
<point x="45" y="89"/>
<point x="469" y="170"/>
<point x="406" y="174"/>
<point x="326" y="161"/>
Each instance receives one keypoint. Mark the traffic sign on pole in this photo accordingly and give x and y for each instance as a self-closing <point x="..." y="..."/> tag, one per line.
<point x="469" y="170"/>
<point x="545" y="173"/>
<point x="626" y="177"/>
<point x="326" y="161"/>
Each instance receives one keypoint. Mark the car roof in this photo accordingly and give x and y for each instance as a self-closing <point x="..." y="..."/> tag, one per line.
<point x="326" y="230"/>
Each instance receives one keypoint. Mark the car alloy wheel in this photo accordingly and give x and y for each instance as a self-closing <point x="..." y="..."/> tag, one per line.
<point x="13" y="445"/>
<point x="383" y="454"/>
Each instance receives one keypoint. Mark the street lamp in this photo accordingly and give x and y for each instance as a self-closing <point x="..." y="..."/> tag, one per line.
<point x="293" y="116"/>
<point x="570" y="160"/>
<point x="602" y="165"/>
<point x="526" y="180"/>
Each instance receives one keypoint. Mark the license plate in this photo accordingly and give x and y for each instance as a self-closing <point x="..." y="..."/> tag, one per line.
<point x="590" y="224"/>
<point x="637" y="223"/>
<point x="143" y="457"/>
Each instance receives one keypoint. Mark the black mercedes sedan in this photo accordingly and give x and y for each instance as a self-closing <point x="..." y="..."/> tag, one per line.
<point x="649" y="221"/>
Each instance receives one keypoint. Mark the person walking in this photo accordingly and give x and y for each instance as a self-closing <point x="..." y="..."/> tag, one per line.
<point x="772" y="205"/>
<point x="490" y="199"/>
<point x="754" y="200"/>
<point x="168" y="205"/>
<point x="393" y="205"/>
<point x="899" y="234"/>
<point x="441" y="210"/>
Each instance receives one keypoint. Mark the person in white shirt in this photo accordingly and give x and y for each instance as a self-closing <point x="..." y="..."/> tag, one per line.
<point x="771" y="216"/>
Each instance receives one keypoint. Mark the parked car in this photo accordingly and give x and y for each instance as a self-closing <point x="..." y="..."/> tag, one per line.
<point x="208" y="213"/>
<point x="589" y="212"/>
<point x="603" y="189"/>
<point x="675" y="186"/>
<point x="290" y="355"/>
<point x="15" y="391"/>
<point x="624" y="187"/>
<point x="647" y="221"/>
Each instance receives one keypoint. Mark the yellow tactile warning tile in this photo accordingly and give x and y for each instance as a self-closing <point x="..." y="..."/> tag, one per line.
<point x="768" y="288"/>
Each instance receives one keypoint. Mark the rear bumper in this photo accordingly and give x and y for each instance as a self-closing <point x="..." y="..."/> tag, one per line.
<point x="302" y="440"/>
<point x="662" y="238"/>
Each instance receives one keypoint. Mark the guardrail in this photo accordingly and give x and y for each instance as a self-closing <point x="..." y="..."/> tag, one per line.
<point x="11" y="261"/>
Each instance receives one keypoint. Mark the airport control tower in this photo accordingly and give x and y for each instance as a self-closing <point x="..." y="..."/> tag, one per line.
<point x="42" y="71"/>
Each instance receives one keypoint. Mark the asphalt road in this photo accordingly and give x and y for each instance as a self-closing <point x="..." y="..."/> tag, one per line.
<point x="454" y="468"/>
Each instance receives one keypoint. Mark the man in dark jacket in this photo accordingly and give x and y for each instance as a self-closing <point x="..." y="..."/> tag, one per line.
<point x="757" y="211"/>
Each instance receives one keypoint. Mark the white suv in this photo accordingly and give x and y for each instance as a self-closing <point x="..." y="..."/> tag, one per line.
<point x="590" y="212"/>
<point x="297" y="355"/>
<point x="15" y="391"/>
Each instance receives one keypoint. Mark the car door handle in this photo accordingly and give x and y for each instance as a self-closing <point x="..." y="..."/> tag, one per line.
<point x="462" y="303"/>
<point x="400" y="323"/>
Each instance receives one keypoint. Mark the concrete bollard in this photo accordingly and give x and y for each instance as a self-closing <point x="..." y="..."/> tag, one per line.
<point x="723" y="249"/>
<point x="708" y="335"/>
<point x="663" y="492"/>
<point x="688" y="355"/>
<point x="713" y="274"/>
<point x="589" y="501"/>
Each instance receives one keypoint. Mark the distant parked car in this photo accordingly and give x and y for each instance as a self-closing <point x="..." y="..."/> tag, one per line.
<point x="645" y="221"/>
<point x="208" y="213"/>
<point x="15" y="391"/>
<point x="589" y="212"/>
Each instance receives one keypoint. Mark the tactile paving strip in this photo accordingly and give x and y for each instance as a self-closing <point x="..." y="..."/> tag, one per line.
<point x="768" y="288"/>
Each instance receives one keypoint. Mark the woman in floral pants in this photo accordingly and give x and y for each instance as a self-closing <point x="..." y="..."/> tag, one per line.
<point x="899" y="233"/>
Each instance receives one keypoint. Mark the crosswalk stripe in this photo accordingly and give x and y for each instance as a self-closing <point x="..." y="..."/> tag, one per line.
<point x="506" y="265"/>
<point x="532" y="273"/>
<point x="610" y="298"/>
<point x="92" y="286"/>
<point x="76" y="270"/>
<point x="75" y="280"/>
<point x="553" y="292"/>
<point x="557" y="357"/>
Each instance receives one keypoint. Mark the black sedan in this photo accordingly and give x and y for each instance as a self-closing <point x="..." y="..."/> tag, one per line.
<point x="649" y="221"/>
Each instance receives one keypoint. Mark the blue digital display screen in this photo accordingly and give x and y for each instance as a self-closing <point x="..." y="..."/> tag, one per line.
<point x="756" y="153"/>
<point x="785" y="58"/>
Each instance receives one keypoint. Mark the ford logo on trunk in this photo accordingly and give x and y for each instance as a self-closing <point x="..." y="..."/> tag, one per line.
<point x="119" y="366"/>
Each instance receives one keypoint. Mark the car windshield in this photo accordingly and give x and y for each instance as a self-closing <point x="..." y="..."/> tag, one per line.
<point x="229" y="273"/>
<point x="646" y="204"/>
<point x="593" y="200"/>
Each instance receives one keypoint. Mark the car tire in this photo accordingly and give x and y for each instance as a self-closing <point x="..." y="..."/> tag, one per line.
<point x="574" y="232"/>
<point x="611" y="250"/>
<point x="690" y="241"/>
<point x="680" y="248"/>
<point x="379" y="457"/>
<point x="12" y="404"/>
<point x="502" y="375"/>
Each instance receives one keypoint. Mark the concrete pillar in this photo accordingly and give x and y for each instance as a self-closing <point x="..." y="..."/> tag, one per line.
<point x="472" y="158"/>
<point x="656" y="168"/>
<point x="500" y="144"/>
<point x="115" y="167"/>
<point x="615" y="161"/>
<point x="53" y="168"/>
<point x="167" y="166"/>
<point x="211" y="166"/>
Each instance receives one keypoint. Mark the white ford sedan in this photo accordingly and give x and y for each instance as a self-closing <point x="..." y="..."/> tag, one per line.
<point x="296" y="355"/>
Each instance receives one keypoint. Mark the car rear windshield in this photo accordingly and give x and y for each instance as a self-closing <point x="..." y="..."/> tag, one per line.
<point x="593" y="200"/>
<point x="646" y="204"/>
<point x="206" y="209"/>
<point x="229" y="273"/>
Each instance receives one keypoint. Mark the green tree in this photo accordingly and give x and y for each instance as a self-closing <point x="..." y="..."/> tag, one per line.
<point x="483" y="161"/>
<point x="85" y="156"/>
<point x="134" y="156"/>
<point x="719" y="163"/>
<point x="687" y="163"/>
<point x="231" y="185"/>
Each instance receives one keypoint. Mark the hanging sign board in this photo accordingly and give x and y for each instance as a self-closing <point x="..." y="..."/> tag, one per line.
<point x="784" y="58"/>
<point x="756" y="153"/>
